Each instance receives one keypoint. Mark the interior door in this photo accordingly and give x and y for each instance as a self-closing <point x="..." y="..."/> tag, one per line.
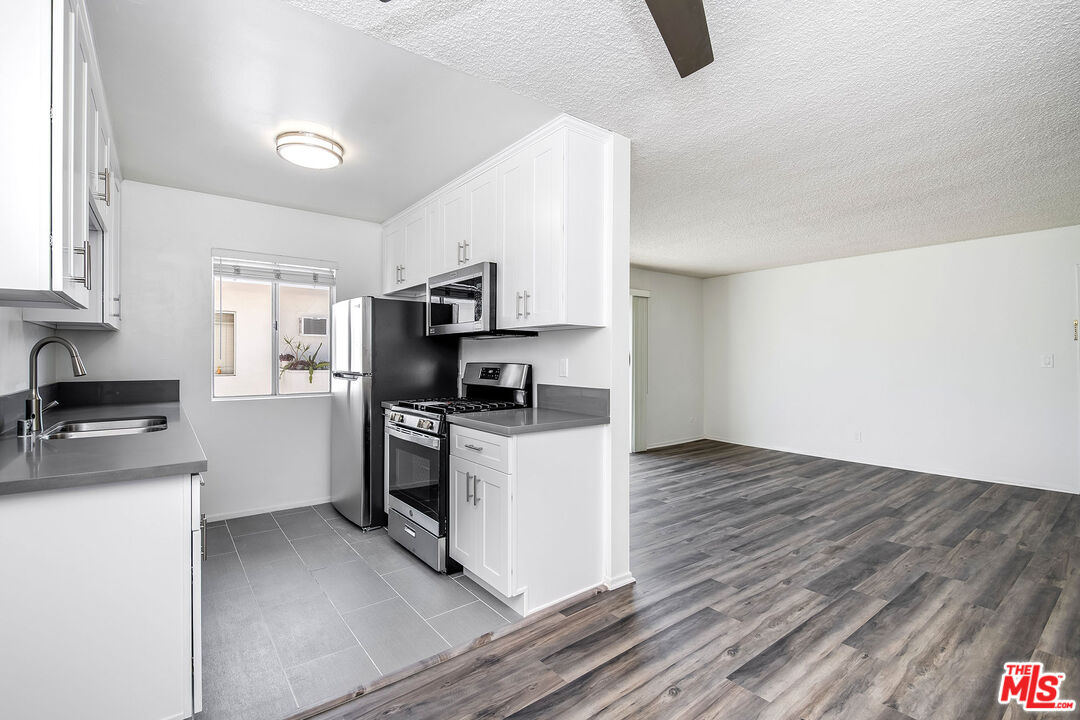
<point x="483" y="218"/>
<point x="492" y="501"/>
<point x="463" y="516"/>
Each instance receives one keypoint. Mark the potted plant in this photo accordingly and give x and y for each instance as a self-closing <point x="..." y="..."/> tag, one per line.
<point x="302" y="357"/>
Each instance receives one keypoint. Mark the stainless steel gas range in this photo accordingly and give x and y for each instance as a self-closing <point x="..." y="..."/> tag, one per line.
<point x="417" y="455"/>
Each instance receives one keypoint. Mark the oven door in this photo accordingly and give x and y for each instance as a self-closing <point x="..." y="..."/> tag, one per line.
<point x="414" y="477"/>
<point x="462" y="301"/>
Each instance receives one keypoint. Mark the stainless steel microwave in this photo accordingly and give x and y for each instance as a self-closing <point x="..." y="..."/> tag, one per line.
<point x="462" y="301"/>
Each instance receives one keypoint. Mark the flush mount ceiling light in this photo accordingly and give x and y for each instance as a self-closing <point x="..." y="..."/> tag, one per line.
<point x="309" y="150"/>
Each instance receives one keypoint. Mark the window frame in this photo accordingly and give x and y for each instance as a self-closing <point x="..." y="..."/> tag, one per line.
<point x="275" y="332"/>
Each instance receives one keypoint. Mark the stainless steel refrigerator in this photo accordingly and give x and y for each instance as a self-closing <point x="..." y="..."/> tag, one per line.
<point x="380" y="351"/>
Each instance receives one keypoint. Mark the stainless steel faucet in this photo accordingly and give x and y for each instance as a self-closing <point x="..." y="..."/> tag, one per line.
<point x="32" y="424"/>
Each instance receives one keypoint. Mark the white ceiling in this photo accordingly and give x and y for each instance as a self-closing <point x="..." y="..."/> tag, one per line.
<point x="822" y="130"/>
<point x="199" y="89"/>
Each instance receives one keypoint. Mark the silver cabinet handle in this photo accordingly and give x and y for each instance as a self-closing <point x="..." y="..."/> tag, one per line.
<point x="465" y="250"/>
<point x="517" y="305"/>
<point x="409" y="531"/>
<point x="85" y="252"/>
<point x="475" y="488"/>
<point x="202" y="533"/>
<point x="468" y="479"/>
<point x="526" y="303"/>
<point x="117" y="301"/>
<point x="460" y="253"/>
<point x="477" y="448"/>
<point x="107" y="195"/>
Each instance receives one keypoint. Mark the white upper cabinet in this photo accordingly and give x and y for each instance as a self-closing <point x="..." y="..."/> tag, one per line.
<point x="393" y="256"/>
<point x="55" y="138"/>
<point x="552" y="233"/>
<point x="483" y="197"/>
<point x="538" y="211"/>
<point x="448" y="242"/>
<point x="405" y="251"/>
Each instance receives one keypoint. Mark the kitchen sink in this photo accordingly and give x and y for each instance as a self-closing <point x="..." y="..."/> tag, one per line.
<point x="104" y="428"/>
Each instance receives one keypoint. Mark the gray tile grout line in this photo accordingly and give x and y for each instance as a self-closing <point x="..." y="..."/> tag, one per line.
<point x="493" y="609"/>
<point x="277" y="653"/>
<point x="340" y="614"/>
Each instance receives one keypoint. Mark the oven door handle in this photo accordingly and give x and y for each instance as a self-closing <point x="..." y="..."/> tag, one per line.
<point x="414" y="437"/>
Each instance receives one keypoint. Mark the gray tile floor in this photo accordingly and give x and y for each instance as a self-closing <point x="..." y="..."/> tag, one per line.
<point x="301" y="606"/>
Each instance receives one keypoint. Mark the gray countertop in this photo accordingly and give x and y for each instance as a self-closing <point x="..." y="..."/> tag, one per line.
<point x="525" y="420"/>
<point x="53" y="464"/>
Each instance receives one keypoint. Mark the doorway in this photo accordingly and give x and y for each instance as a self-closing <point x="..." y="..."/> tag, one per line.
<point x="639" y="370"/>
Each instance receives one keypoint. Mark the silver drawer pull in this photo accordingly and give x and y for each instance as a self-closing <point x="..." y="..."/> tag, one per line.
<point x="84" y="279"/>
<point x="468" y="479"/>
<point x="517" y="305"/>
<point x="476" y="490"/>
<point x="477" y="448"/>
<point x="410" y="531"/>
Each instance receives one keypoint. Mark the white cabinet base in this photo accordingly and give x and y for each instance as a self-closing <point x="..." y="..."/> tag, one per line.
<point x="97" y="601"/>
<point x="535" y="536"/>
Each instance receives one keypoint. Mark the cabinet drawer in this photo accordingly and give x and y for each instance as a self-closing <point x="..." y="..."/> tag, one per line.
<point x="490" y="450"/>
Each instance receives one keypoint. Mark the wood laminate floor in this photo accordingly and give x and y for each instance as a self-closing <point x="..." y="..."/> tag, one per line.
<point x="773" y="585"/>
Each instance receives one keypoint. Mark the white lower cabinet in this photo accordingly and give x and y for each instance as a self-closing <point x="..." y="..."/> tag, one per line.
<point x="481" y="509"/>
<point x="523" y="513"/>
<point x="101" y="600"/>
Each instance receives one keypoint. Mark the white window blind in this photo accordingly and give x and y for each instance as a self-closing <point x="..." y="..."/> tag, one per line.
<point x="251" y="269"/>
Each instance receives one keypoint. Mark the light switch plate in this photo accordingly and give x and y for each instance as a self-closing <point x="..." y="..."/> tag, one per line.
<point x="564" y="367"/>
<point x="1047" y="360"/>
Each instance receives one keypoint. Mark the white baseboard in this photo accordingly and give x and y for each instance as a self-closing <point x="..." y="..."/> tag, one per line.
<point x="945" y="472"/>
<point x="669" y="443"/>
<point x="618" y="582"/>
<point x="269" y="508"/>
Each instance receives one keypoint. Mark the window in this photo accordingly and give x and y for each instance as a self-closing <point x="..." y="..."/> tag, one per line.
<point x="271" y="325"/>
<point x="224" y="343"/>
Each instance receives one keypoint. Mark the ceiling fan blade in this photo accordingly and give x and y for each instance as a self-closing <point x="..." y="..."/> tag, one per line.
<point x="685" y="30"/>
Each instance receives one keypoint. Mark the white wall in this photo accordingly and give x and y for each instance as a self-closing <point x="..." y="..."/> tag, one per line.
<point x="262" y="454"/>
<point x="932" y="355"/>
<point x="16" y="339"/>
<point x="675" y="403"/>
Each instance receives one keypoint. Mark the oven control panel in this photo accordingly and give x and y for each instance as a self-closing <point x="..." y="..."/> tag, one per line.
<point x="412" y="420"/>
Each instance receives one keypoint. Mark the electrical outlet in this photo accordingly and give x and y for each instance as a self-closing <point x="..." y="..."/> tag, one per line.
<point x="857" y="436"/>
<point x="564" y="367"/>
<point x="1047" y="360"/>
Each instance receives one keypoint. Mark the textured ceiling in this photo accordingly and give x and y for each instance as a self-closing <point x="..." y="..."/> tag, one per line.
<point x="822" y="130"/>
<point x="199" y="89"/>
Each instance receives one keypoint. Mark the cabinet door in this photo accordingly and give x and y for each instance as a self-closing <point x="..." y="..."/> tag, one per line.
<point x="492" y="501"/>
<point x="393" y="241"/>
<point x="515" y="190"/>
<point x="545" y="278"/>
<point x="97" y="156"/>
<point x="76" y="196"/>
<point x="414" y="260"/>
<point x="463" y="516"/>
<point x="448" y="243"/>
<point x="481" y="245"/>
<point x="113" y="296"/>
